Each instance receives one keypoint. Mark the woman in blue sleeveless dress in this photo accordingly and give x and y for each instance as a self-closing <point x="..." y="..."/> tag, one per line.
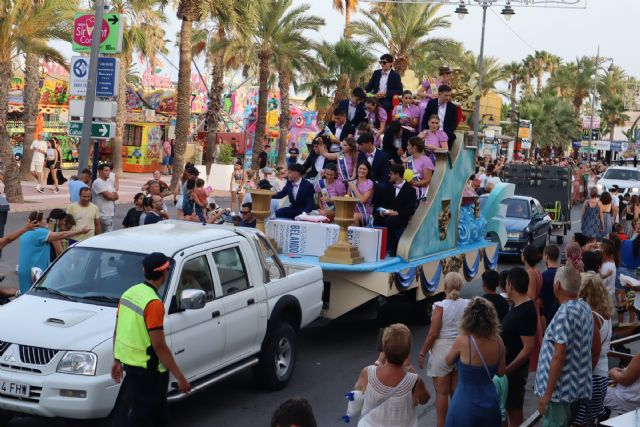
<point x="478" y="352"/>
<point x="591" y="223"/>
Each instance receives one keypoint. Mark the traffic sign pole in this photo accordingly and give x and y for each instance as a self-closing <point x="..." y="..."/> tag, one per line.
<point x="83" y="158"/>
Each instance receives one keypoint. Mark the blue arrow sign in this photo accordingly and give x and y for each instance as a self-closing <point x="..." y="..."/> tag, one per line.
<point x="106" y="80"/>
<point x="80" y="68"/>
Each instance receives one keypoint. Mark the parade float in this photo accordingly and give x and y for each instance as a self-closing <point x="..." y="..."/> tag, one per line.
<point x="448" y="232"/>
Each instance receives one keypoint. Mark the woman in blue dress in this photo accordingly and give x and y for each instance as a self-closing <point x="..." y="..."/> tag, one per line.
<point x="591" y="219"/>
<point x="478" y="353"/>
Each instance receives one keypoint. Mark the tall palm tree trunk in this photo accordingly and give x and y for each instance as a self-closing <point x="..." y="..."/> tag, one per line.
<point x="116" y="155"/>
<point x="263" y="93"/>
<point x="539" y="83"/>
<point x="284" y="81"/>
<point x="183" y="108"/>
<point x="31" y="99"/>
<point x="12" y="187"/>
<point x="347" y="21"/>
<point x="215" y="107"/>
<point x="514" y="91"/>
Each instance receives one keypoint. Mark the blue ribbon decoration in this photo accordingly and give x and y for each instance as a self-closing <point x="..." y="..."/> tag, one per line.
<point x="404" y="280"/>
<point x="490" y="264"/>
<point x="470" y="272"/>
<point x="430" y="286"/>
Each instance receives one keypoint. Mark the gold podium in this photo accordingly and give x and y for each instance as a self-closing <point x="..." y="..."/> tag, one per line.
<point x="342" y="252"/>
<point x="261" y="202"/>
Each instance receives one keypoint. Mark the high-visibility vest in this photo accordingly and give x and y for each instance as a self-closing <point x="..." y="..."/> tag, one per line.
<point x="132" y="343"/>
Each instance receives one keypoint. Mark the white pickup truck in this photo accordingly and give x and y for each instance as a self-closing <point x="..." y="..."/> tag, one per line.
<point x="230" y="304"/>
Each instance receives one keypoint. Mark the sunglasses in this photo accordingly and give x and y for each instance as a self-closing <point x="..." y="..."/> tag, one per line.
<point x="244" y="213"/>
<point x="383" y="62"/>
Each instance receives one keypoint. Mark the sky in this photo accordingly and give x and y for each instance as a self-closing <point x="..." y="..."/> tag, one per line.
<point x="569" y="33"/>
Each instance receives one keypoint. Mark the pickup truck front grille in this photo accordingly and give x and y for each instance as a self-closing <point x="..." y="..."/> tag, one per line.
<point x="36" y="355"/>
<point x="3" y="347"/>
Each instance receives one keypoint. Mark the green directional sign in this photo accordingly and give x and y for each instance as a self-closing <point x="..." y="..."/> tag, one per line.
<point x="99" y="130"/>
<point x="110" y="34"/>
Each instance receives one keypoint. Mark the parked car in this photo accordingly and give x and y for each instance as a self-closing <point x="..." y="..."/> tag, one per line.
<point x="627" y="178"/>
<point x="230" y="303"/>
<point x="527" y="223"/>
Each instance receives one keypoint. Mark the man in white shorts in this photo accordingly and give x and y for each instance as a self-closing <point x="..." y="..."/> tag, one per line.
<point x="39" y="148"/>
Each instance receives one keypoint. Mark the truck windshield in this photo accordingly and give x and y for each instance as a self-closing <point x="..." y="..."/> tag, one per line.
<point x="622" y="174"/>
<point x="92" y="275"/>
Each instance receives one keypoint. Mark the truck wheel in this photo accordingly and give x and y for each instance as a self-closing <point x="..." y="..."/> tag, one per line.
<point x="277" y="358"/>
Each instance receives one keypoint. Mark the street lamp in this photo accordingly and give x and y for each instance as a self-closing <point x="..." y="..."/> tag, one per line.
<point x="599" y="61"/>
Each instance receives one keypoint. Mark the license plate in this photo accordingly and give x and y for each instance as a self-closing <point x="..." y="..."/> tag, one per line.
<point x="14" y="389"/>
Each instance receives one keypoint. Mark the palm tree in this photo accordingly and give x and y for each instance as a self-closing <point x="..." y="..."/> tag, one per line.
<point x="344" y="58"/>
<point x="575" y="81"/>
<point x="347" y="7"/>
<point x="513" y="72"/>
<point x="404" y="33"/>
<point x="189" y="11"/>
<point x="553" y="120"/>
<point x="541" y="61"/>
<point x="25" y="26"/>
<point x="613" y="114"/>
<point x="492" y="71"/>
<point x="143" y="33"/>
<point x="31" y="95"/>
<point x="275" y="21"/>
<point x="529" y="67"/>
<point x="216" y="43"/>
<point x="292" y="53"/>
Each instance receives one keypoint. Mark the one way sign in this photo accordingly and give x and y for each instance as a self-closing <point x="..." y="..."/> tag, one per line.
<point x="99" y="130"/>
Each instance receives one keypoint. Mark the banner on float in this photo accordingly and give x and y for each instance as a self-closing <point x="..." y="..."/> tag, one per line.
<point x="312" y="239"/>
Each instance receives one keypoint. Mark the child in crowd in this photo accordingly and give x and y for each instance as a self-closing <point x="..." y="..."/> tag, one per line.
<point x="619" y="230"/>
<point x="199" y="198"/>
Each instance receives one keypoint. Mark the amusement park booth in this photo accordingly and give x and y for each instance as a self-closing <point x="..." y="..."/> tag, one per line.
<point x="142" y="144"/>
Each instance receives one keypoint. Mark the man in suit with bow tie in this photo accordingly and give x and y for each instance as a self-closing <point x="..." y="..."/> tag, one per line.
<point x="339" y="129"/>
<point x="397" y="208"/>
<point x="355" y="107"/>
<point x="315" y="162"/>
<point x="446" y="110"/>
<point x="300" y="193"/>
<point x="385" y="83"/>
<point x="378" y="159"/>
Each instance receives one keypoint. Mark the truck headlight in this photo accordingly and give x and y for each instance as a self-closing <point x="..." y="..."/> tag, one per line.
<point x="78" y="363"/>
<point x="634" y="190"/>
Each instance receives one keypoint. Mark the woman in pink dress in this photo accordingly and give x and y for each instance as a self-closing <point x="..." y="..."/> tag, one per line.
<point x="421" y="166"/>
<point x="362" y="190"/>
<point x="434" y="137"/>
<point x="377" y="118"/>
<point x="347" y="156"/>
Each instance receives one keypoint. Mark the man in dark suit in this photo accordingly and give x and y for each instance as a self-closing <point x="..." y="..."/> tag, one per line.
<point x="315" y="162"/>
<point x="378" y="159"/>
<point x="300" y="193"/>
<point x="446" y="110"/>
<point x="355" y="106"/>
<point x="339" y="128"/>
<point x="399" y="206"/>
<point x="385" y="83"/>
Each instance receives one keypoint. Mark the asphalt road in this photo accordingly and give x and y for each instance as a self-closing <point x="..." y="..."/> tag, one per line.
<point x="329" y="361"/>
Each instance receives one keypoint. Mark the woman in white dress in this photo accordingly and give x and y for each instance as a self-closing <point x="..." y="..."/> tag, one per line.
<point x="391" y="393"/>
<point x="442" y="333"/>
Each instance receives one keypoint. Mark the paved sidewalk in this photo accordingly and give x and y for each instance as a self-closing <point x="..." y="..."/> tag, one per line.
<point x="130" y="184"/>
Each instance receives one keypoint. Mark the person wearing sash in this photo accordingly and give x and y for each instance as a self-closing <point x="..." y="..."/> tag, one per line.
<point x="377" y="118"/>
<point x="327" y="188"/>
<point x="362" y="190"/>
<point x="398" y="205"/>
<point x="421" y="165"/>
<point x="346" y="159"/>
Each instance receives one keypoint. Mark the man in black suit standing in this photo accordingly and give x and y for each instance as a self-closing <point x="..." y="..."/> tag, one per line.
<point x="339" y="129"/>
<point x="399" y="205"/>
<point x="300" y="193"/>
<point x="446" y="110"/>
<point x="355" y="107"/>
<point x="378" y="159"/>
<point x="385" y="83"/>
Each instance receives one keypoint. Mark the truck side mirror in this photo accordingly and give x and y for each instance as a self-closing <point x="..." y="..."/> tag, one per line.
<point x="193" y="299"/>
<point x="36" y="273"/>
